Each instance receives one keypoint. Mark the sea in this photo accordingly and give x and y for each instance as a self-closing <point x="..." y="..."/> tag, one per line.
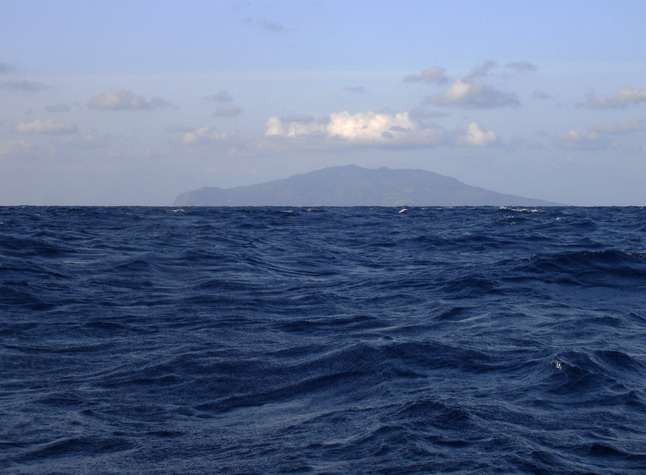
<point x="322" y="340"/>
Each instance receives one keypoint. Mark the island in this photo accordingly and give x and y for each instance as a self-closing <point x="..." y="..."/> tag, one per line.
<point x="351" y="185"/>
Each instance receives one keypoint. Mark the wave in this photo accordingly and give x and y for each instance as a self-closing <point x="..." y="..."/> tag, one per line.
<point x="326" y="340"/>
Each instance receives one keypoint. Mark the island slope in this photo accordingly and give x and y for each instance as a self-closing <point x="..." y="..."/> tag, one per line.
<point x="351" y="185"/>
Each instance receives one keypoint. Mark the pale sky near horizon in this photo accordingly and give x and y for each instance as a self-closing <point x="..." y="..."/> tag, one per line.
<point x="133" y="103"/>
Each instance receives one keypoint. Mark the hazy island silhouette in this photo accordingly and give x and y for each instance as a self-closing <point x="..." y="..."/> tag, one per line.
<point x="351" y="185"/>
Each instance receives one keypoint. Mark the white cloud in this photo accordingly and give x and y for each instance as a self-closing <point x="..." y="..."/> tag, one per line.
<point x="431" y="75"/>
<point x="575" y="140"/>
<point x="159" y="103"/>
<point x="222" y="96"/>
<point x="45" y="126"/>
<point x="227" y="111"/>
<point x="203" y="136"/>
<point x="362" y="128"/>
<point x="624" y="97"/>
<point x="627" y="147"/>
<point x="120" y="99"/>
<point x="634" y="125"/>
<point x="521" y="67"/>
<point x="5" y="68"/>
<point x="599" y="137"/>
<point x="476" y="136"/>
<point x="481" y="70"/>
<point x="465" y="93"/>
<point x="15" y="149"/>
<point x="368" y="126"/>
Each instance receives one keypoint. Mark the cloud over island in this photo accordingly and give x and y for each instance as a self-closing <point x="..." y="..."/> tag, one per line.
<point x="465" y="93"/>
<point x="45" y="126"/>
<point x="121" y="99"/>
<point x="373" y="129"/>
<point x="362" y="128"/>
<point x="625" y="96"/>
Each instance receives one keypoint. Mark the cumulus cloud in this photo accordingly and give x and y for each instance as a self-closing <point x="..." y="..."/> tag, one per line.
<point x="465" y="93"/>
<point x="58" y="108"/>
<point x="573" y="139"/>
<point x="481" y="70"/>
<point x="600" y="137"/>
<point x="159" y="103"/>
<point x="23" y="85"/>
<point x="5" y="68"/>
<point x="634" y="125"/>
<point x="521" y="67"/>
<point x="432" y="75"/>
<point x="204" y="136"/>
<point x="227" y="111"/>
<point x="362" y="128"/>
<point x="476" y="136"/>
<point x="222" y="96"/>
<point x="627" y="147"/>
<point x="45" y="126"/>
<point x="120" y="99"/>
<point x="624" y="97"/>
<point x="295" y="126"/>
<point x="15" y="149"/>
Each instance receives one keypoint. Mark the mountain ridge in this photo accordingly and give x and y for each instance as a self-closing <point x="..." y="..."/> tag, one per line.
<point x="351" y="185"/>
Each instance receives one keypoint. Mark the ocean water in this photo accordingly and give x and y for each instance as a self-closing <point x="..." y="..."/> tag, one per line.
<point x="333" y="340"/>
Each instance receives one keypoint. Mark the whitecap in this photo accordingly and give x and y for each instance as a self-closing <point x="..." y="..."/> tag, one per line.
<point x="557" y="364"/>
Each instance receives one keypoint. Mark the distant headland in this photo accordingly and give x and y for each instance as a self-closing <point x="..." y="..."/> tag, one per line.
<point x="351" y="185"/>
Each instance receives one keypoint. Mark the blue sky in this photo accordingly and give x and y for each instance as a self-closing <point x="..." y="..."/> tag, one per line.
<point x="109" y="103"/>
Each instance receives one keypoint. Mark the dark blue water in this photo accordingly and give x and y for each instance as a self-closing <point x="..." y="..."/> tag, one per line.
<point x="335" y="340"/>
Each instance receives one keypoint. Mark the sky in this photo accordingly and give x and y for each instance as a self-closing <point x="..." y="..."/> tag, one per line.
<point x="133" y="103"/>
